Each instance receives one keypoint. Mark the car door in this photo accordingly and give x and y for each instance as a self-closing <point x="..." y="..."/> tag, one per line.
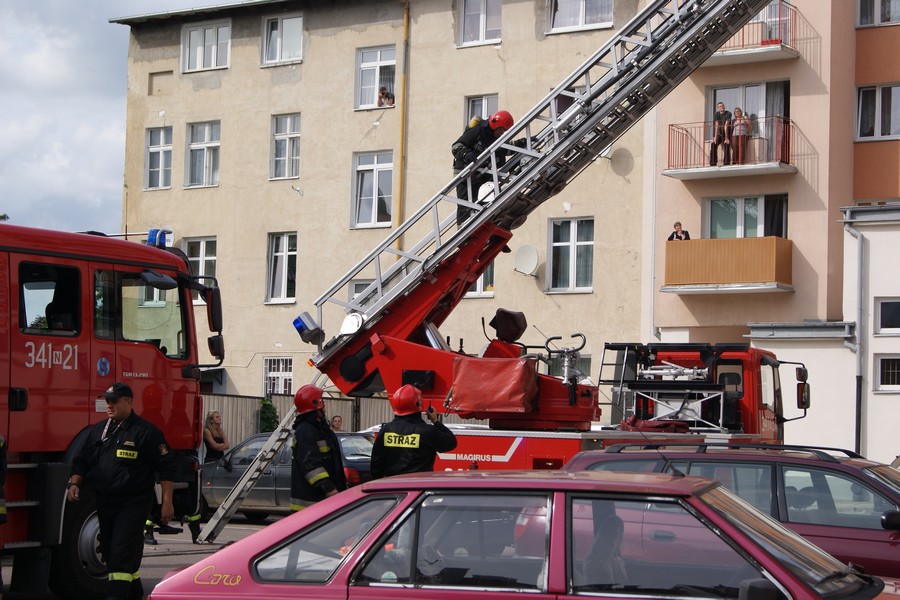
<point x="232" y="467"/>
<point x="841" y="514"/>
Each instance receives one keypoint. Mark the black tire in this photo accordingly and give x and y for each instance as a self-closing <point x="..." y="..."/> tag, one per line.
<point x="76" y="568"/>
<point x="255" y="517"/>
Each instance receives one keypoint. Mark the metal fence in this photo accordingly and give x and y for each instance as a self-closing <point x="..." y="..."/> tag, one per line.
<point x="240" y="414"/>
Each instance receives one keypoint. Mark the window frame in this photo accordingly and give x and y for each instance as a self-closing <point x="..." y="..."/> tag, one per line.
<point x="290" y="138"/>
<point x="265" y="46"/>
<point x="879" y="327"/>
<point x="283" y="376"/>
<point x="187" y="49"/>
<point x="877" y="112"/>
<point x="484" y="285"/>
<point x="281" y="258"/>
<point x="874" y="6"/>
<point x="211" y="148"/>
<point x="376" y="169"/>
<point x="484" y="11"/>
<point x="199" y="264"/>
<point x="741" y="211"/>
<point x="879" y="368"/>
<point x="573" y="244"/>
<point x="379" y="65"/>
<point x="582" y="25"/>
<point x="480" y="106"/>
<point x="164" y="151"/>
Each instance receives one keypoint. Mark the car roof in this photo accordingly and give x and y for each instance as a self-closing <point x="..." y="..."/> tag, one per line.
<point x="649" y="483"/>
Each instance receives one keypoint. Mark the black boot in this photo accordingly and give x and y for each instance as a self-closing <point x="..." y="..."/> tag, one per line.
<point x="194" y="526"/>
<point x="148" y="536"/>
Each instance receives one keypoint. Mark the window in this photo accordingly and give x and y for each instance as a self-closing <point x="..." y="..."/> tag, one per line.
<point x="205" y="46"/>
<point x="761" y="103"/>
<point x="159" y="158"/>
<point x="279" y="374"/>
<point x="357" y="287"/>
<point x="831" y="498"/>
<point x="51" y="298"/>
<point x="201" y="254"/>
<point x="282" y="267"/>
<point x="747" y="217"/>
<point x="579" y="14"/>
<point x="374" y="185"/>
<point x="480" y="107"/>
<point x="878" y="112"/>
<point x="484" y="286"/>
<point x="879" y="12"/>
<point x="572" y="255"/>
<point x="314" y="555"/>
<point x="285" y="146"/>
<point x="467" y="541"/>
<point x="203" y="154"/>
<point x="376" y="69"/>
<point x="481" y="21"/>
<point x="283" y="39"/>
<point x="887" y="376"/>
<point x="150" y="315"/>
<point x="887" y="315"/>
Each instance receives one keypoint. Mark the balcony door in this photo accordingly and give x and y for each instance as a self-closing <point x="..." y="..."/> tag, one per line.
<point x="749" y="217"/>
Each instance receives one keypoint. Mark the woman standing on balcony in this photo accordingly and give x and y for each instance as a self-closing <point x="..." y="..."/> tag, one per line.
<point x="679" y="233"/>
<point x="740" y="133"/>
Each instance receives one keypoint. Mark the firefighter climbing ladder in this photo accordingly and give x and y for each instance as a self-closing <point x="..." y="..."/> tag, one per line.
<point x="566" y="131"/>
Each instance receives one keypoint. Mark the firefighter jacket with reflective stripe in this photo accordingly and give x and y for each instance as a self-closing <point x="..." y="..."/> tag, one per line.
<point x="124" y="459"/>
<point x="317" y="466"/>
<point x="409" y="445"/>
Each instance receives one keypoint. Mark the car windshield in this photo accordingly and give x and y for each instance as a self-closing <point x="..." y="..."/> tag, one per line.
<point x="821" y="571"/>
<point x="886" y="475"/>
<point x="356" y="445"/>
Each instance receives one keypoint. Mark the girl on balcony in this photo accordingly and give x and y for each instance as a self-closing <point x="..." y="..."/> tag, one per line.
<point x="740" y="133"/>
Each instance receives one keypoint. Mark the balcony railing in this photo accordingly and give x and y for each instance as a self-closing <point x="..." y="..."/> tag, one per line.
<point x="774" y="30"/>
<point x="769" y="144"/>
<point x="729" y="265"/>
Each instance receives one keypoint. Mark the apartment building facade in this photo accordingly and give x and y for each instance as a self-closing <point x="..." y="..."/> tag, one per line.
<point x="255" y="132"/>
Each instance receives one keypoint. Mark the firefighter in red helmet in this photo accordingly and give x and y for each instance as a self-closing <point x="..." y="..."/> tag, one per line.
<point x="317" y="470"/>
<point x="408" y="444"/>
<point x="470" y="144"/>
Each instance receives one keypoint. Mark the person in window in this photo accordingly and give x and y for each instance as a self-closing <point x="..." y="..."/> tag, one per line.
<point x="740" y="133"/>
<point x="385" y="98"/>
<point x="317" y="469"/>
<point x="721" y="136"/>
<point x="679" y="233"/>
<point x="408" y="444"/>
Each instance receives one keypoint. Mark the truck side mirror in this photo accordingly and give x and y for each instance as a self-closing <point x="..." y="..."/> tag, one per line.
<point x="213" y="298"/>
<point x="802" y="395"/>
<point x="802" y="374"/>
<point x="216" y="345"/>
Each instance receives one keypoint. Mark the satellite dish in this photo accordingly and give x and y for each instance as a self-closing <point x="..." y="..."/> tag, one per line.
<point x="526" y="261"/>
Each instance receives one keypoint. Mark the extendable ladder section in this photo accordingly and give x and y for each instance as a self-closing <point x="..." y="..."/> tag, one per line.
<point x="259" y="465"/>
<point x="563" y="134"/>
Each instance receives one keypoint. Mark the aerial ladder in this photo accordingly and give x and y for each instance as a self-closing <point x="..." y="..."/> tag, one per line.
<point x="388" y="332"/>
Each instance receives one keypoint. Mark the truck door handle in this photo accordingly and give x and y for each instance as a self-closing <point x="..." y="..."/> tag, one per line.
<point x="659" y="535"/>
<point x="18" y="399"/>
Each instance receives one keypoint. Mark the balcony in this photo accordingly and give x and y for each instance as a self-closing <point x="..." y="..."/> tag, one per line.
<point x="729" y="266"/>
<point x="768" y="150"/>
<point x="769" y="36"/>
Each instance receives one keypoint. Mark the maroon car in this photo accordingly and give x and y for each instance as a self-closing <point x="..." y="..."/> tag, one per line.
<point x="835" y="498"/>
<point x="549" y="534"/>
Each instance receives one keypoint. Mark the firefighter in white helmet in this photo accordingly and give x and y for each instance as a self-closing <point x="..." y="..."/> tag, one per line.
<point x="408" y="444"/>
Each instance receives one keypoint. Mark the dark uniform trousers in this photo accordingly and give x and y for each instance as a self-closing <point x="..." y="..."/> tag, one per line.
<point x="122" y="542"/>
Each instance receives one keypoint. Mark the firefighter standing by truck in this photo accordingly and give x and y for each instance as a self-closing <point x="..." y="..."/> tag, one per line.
<point x="120" y="460"/>
<point x="407" y="444"/>
<point x="317" y="469"/>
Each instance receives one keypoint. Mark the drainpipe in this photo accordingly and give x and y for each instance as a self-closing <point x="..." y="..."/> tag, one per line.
<point x="404" y="125"/>
<point x="858" y="347"/>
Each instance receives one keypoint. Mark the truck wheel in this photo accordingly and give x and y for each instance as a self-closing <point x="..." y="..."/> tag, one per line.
<point x="76" y="569"/>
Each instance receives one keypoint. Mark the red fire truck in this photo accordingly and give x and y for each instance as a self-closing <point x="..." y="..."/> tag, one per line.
<point x="78" y="312"/>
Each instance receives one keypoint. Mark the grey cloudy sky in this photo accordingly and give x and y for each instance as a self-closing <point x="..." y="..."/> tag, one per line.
<point x="62" y="110"/>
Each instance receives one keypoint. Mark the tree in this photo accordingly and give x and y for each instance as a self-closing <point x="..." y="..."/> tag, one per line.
<point x="268" y="415"/>
<point x="4" y="217"/>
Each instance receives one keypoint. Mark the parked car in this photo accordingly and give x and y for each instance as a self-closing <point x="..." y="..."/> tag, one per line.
<point x="272" y="492"/>
<point x="490" y="535"/>
<point x="835" y="498"/>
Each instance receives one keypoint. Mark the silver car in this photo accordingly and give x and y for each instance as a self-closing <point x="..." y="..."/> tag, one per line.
<point x="272" y="493"/>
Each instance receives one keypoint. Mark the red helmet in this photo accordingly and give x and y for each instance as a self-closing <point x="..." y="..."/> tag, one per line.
<point x="308" y="398"/>
<point x="407" y="400"/>
<point x="501" y="118"/>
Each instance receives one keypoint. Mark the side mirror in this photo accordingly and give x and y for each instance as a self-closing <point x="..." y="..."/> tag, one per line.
<point x="216" y="345"/>
<point x="213" y="298"/>
<point x="226" y="464"/>
<point x="891" y="520"/>
<point x="802" y="395"/>
<point x="802" y="374"/>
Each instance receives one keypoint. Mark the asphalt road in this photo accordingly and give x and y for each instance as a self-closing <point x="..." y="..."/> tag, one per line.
<point x="172" y="552"/>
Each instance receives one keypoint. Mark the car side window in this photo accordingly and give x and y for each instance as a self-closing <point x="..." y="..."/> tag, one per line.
<point x="245" y="454"/>
<point x="752" y="482"/>
<point x="494" y="541"/>
<point x="640" y="465"/>
<point x="650" y="548"/>
<point x="314" y="555"/>
<point x="831" y="498"/>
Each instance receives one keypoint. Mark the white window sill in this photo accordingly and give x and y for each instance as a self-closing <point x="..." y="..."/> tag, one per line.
<point x="200" y="187"/>
<point x="206" y="70"/>
<point x="478" y="295"/>
<point x="277" y="301"/>
<point x="157" y="189"/>
<point x="281" y="63"/>
<point x="370" y="226"/>
<point x="576" y="28"/>
<point x="479" y="43"/>
<point x="570" y="291"/>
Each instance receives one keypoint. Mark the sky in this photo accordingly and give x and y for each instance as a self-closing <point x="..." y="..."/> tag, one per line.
<point x="62" y="110"/>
